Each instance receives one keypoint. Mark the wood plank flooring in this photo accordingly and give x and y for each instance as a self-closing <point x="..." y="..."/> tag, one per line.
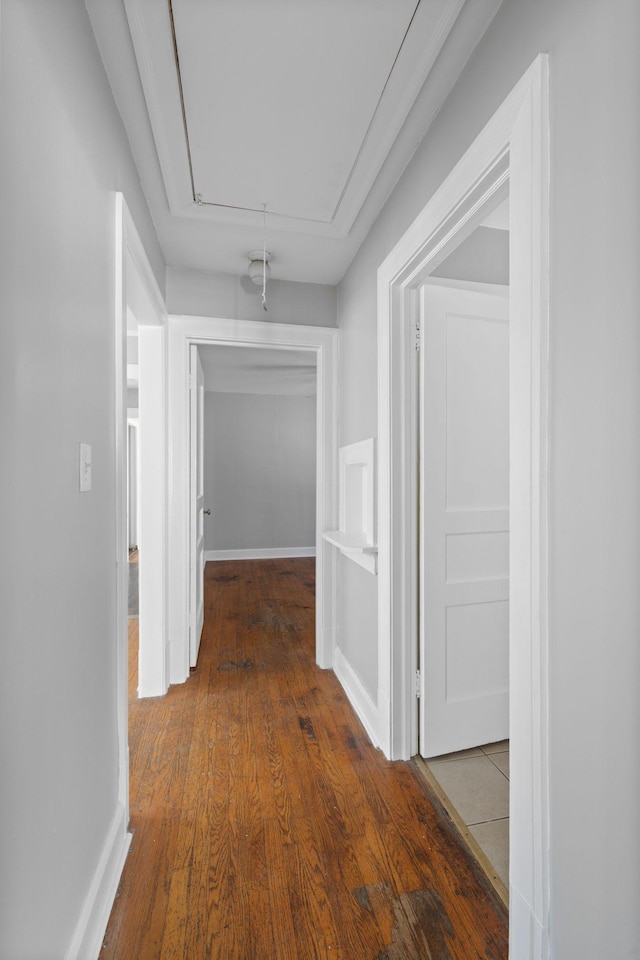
<point x="265" y="825"/>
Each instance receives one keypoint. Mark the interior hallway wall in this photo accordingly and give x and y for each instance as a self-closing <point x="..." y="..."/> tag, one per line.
<point x="63" y="154"/>
<point x="259" y="471"/>
<point x="197" y="293"/>
<point x="594" y="655"/>
<point x="483" y="258"/>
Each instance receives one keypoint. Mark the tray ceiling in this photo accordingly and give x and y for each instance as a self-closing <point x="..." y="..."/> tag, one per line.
<point x="294" y="105"/>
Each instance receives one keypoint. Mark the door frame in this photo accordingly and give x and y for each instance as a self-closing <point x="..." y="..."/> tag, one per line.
<point x="196" y="483"/>
<point x="323" y="343"/>
<point x="510" y="155"/>
<point x="136" y="288"/>
<point x="133" y="438"/>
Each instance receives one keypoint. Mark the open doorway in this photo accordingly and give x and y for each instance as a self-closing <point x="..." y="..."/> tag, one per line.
<point x="286" y="342"/>
<point x="133" y="469"/>
<point x="258" y="478"/>
<point x="510" y="155"/>
<point x="259" y="452"/>
<point x="133" y="596"/>
<point x="139" y="386"/>
<point x="463" y="649"/>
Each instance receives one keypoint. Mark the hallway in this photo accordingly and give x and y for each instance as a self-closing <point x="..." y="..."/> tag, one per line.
<point x="264" y="823"/>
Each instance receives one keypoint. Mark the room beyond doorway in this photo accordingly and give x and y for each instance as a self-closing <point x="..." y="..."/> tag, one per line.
<point x="321" y="343"/>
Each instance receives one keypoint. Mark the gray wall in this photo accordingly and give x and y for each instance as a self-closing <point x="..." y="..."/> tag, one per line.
<point x="594" y="665"/>
<point x="483" y="257"/>
<point x="63" y="153"/>
<point x="200" y="294"/>
<point x="259" y="471"/>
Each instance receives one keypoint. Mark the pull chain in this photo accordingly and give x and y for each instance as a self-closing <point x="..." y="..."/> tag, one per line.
<point x="264" y="257"/>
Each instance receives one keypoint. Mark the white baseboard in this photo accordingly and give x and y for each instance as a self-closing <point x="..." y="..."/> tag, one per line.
<point x="260" y="553"/>
<point x="360" y="700"/>
<point x="88" y="937"/>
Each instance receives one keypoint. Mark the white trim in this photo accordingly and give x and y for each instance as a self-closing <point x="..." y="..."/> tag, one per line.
<point x="355" y="547"/>
<point x="360" y="700"/>
<point x="360" y="515"/>
<point x="88" y="936"/>
<point x="153" y="672"/>
<point x="511" y="152"/>
<point x="356" y="535"/>
<point x="260" y="553"/>
<point x="323" y="342"/>
<point x="135" y="271"/>
<point x="426" y="39"/>
<point x="121" y="538"/>
<point x="132" y="265"/>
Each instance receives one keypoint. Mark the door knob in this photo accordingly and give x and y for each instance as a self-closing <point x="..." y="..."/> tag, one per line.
<point x="208" y="512"/>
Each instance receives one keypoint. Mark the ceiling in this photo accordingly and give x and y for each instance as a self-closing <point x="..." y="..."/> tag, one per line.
<point x="309" y="109"/>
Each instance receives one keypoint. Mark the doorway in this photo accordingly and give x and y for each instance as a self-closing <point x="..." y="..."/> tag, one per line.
<point x="133" y="497"/>
<point x="257" y="416"/>
<point x="138" y="310"/>
<point x="320" y="343"/>
<point x="260" y="450"/>
<point x="510" y="155"/>
<point x="463" y="415"/>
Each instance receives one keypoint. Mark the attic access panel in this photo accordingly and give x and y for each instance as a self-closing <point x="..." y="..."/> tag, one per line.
<point x="278" y="96"/>
<point x="292" y="103"/>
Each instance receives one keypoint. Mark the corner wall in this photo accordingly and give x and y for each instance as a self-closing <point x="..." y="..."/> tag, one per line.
<point x="63" y="155"/>
<point x="197" y="293"/>
<point x="594" y="663"/>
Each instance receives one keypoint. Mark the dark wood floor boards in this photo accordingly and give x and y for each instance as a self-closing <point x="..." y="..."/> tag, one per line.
<point x="266" y="826"/>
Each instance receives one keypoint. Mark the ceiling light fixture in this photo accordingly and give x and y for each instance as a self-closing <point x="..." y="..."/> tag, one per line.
<point x="259" y="268"/>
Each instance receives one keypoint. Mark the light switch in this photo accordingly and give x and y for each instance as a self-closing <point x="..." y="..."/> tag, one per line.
<point x="85" y="467"/>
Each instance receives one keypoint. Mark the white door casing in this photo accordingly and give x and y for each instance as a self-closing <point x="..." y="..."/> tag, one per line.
<point x="196" y="505"/>
<point x="322" y="342"/>
<point x="135" y="281"/>
<point x="464" y="519"/>
<point x="511" y="153"/>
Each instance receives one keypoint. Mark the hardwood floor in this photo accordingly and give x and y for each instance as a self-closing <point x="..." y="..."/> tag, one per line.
<point x="265" y="825"/>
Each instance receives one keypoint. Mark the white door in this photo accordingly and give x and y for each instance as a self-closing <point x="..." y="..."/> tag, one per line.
<point x="196" y="501"/>
<point x="464" y="519"/>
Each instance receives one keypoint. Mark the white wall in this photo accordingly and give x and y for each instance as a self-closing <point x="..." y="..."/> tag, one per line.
<point x="483" y="257"/>
<point x="63" y="154"/>
<point x="259" y="471"/>
<point x="594" y="625"/>
<point x="200" y="294"/>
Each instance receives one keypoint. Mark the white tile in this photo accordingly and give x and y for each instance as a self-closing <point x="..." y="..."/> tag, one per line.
<point x="493" y="838"/>
<point x="475" y="787"/>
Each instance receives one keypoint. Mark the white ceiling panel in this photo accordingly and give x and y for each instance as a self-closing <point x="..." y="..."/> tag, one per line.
<point x="292" y="87"/>
<point x="310" y="107"/>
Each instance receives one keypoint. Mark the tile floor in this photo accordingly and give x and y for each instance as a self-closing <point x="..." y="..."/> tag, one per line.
<point x="476" y="782"/>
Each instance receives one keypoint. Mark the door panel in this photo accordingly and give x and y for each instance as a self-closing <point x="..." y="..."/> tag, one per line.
<point x="464" y="519"/>
<point x="196" y="508"/>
